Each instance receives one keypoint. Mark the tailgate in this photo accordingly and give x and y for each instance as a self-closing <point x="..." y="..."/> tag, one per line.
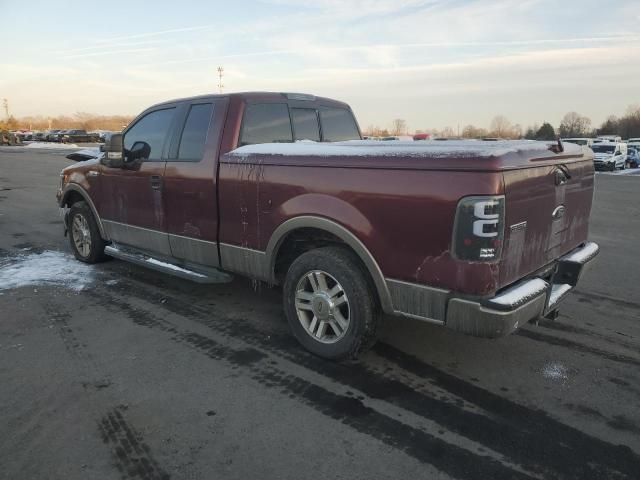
<point x="547" y="215"/>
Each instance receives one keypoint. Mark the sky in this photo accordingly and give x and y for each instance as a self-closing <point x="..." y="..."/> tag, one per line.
<point x="434" y="63"/>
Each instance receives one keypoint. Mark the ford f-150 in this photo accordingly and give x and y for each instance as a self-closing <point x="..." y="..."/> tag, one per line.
<point x="480" y="237"/>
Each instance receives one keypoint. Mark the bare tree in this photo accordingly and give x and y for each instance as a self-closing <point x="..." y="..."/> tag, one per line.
<point x="447" y="132"/>
<point x="575" y="125"/>
<point x="501" y="127"/>
<point x="399" y="127"/>
<point x="516" y="131"/>
<point x="470" y="131"/>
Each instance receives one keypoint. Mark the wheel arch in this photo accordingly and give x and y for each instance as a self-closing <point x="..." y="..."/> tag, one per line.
<point x="74" y="193"/>
<point x="289" y="227"/>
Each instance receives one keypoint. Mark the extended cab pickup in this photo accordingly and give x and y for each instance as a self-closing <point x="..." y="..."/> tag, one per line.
<point x="76" y="136"/>
<point x="480" y="237"/>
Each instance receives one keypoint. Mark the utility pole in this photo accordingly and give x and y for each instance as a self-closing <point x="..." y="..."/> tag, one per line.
<point x="220" y="75"/>
<point x="5" y="105"/>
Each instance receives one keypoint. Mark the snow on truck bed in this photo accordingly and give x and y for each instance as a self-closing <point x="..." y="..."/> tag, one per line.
<point x="428" y="148"/>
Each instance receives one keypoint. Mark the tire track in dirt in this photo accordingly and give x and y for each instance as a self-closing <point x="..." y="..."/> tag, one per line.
<point x="129" y="451"/>
<point x="577" y="346"/>
<point x="543" y="446"/>
<point x="347" y="409"/>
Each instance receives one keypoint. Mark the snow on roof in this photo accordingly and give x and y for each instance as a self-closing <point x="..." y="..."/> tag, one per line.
<point x="373" y="148"/>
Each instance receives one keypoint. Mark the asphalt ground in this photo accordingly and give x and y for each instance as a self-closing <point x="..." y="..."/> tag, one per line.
<point x="114" y="371"/>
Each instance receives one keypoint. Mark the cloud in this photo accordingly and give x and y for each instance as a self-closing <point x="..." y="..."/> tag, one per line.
<point x="153" y="34"/>
<point x="389" y="58"/>
<point x="110" y="45"/>
<point x="109" y="52"/>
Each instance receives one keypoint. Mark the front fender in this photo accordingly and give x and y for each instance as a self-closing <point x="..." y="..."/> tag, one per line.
<point x="75" y="188"/>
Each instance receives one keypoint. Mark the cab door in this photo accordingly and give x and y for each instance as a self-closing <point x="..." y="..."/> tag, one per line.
<point x="131" y="206"/>
<point x="190" y="182"/>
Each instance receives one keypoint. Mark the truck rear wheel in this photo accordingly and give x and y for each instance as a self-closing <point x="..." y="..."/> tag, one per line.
<point x="329" y="303"/>
<point x="84" y="235"/>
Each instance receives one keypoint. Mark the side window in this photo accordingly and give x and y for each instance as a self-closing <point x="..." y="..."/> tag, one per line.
<point x="194" y="133"/>
<point x="305" y="124"/>
<point x="153" y="129"/>
<point x="266" y="123"/>
<point x="338" y="125"/>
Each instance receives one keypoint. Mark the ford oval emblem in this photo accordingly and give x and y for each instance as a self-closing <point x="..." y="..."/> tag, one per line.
<point x="558" y="213"/>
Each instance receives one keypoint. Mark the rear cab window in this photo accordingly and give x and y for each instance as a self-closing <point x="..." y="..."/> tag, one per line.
<point x="266" y="123"/>
<point x="305" y="124"/>
<point x="282" y="122"/>
<point x="338" y="125"/>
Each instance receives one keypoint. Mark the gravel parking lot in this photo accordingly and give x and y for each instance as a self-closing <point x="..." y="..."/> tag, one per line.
<point x="114" y="371"/>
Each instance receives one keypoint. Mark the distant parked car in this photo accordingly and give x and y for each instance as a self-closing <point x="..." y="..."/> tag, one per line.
<point x="609" y="155"/>
<point x="52" y="135"/>
<point x="24" y="134"/>
<point x="588" y="142"/>
<point x="396" y="138"/>
<point x="78" y="136"/>
<point x="422" y="136"/>
<point x="633" y="157"/>
<point x="9" y="138"/>
<point x="40" y="137"/>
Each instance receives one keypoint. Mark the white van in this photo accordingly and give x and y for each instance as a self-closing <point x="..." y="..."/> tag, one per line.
<point x="607" y="138"/>
<point x="609" y="155"/>
<point x="634" y="142"/>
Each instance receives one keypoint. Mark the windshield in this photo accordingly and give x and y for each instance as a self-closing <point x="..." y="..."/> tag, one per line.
<point x="578" y="141"/>
<point x="603" y="148"/>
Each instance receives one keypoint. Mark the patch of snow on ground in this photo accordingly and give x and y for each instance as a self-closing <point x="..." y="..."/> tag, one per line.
<point x="555" y="371"/>
<point x="53" y="145"/>
<point x="47" y="268"/>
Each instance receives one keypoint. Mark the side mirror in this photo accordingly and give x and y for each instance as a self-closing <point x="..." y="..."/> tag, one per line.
<point x="112" y="149"/>
<point x="139" y="151"/>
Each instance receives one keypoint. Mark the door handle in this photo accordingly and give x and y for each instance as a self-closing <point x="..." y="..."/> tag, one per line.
<point x="156" y="182"/>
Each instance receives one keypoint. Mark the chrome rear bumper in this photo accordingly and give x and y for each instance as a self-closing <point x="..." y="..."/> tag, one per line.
<point x="526" y="300"/>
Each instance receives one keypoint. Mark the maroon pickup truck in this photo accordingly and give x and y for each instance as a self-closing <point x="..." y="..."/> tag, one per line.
<point x="480" y="237"/>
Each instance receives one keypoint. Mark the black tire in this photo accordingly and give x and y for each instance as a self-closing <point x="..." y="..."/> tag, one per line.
<point x="96" y="244"/>
<point x="364" y="314"/>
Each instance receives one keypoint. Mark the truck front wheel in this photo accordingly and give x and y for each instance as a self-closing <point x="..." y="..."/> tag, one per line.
<point x="329" y="303"/>
<point x="84" y="235"/>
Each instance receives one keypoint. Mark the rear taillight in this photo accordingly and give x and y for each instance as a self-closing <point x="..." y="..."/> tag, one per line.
<point x="479" y="229"/>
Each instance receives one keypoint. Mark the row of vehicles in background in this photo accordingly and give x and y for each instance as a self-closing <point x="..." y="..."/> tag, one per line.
<point x="610" y="152"/>
<point x="62" y="136"/>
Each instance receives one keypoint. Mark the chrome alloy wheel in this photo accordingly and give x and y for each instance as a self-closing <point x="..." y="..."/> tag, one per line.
<point x="322" y="306"/>
<point x="81" y="235"/>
